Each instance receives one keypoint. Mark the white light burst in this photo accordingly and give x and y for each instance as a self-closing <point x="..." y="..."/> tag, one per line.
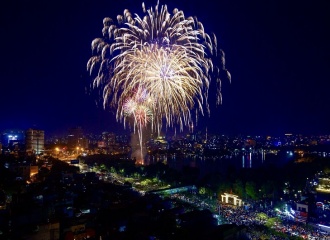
<point x="162" y="61"/>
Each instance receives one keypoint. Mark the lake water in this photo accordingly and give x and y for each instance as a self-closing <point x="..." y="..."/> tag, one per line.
<point x="220" y="163"/>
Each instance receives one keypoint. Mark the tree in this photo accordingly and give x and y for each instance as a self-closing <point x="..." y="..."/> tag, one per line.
<point x="262" y="216"/>
<point x="272" y="221"/>
<point x="268" y="189"/>
<point x="251" y="190"/>
<point x="202" y="190"/>
<point x="239" y="188"/>
<point x="225" y="186"/>
<point x="103" y="167"/>
<point x="113" y="170"/>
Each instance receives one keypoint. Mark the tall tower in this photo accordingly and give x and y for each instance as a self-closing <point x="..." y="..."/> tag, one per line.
<point x="34" y="141"/>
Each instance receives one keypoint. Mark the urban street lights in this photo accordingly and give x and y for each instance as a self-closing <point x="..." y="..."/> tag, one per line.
<point x="57" y="152"/>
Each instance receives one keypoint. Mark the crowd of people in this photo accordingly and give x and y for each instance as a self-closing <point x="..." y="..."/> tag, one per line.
<point x="287" y="225"/>
<point x="253" y="218"/>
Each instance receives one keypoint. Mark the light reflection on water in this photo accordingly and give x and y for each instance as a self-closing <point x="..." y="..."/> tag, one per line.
<point x="220" y="163"/>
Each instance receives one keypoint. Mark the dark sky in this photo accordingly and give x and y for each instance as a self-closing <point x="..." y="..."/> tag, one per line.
<point x="277" y="53"/>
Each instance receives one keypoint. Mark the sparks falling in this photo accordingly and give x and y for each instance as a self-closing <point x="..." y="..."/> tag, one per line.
<point x="156" y="68"/>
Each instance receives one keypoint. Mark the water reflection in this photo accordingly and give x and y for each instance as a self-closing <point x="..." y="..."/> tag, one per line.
<point x="263" y="155"/>
<point x="243" y="161"/>
<point x="217" y="163"/>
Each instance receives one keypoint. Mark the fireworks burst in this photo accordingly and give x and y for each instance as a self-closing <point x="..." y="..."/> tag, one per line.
<point x="142" y="115"/>
<point x="160" y="64"/>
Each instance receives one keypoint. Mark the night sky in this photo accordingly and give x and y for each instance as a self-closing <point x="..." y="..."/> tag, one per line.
<point x="277" y="53"/>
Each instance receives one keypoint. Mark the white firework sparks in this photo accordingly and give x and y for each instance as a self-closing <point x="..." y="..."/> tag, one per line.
<point x="164" y="59"/>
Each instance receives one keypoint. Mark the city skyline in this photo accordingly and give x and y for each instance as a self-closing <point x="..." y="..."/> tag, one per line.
<point x="276" y="52"/>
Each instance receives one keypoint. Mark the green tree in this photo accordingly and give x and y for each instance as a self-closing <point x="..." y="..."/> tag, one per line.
<point x="239" y="188"/>
<point x="146" y="182"/>
<point x="155" y="180"/>
<point x="136" y="175"/>
<point x="272" y="221"/>
<point x="103" y="167"/>
<point x="224" y="186"/>
<point x="262" y="216"/>
<point x="113" y="170"/>
<point x="251" y="190"/>
<point x="202" y="190"/>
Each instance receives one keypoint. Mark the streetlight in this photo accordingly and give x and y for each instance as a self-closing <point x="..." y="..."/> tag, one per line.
<point x="57" y="151"/>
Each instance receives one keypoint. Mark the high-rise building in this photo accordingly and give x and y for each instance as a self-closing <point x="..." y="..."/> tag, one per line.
<point x="76" y="138"/>
<point x="34" y="141"/>
<point x="109" y="138"/>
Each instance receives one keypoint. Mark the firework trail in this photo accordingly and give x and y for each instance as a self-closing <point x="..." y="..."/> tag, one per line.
<point x="142" y="115"/>
<point x="156" y="68"/>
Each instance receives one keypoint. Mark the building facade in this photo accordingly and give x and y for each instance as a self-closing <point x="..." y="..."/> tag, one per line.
<point x="34" y="141"/>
